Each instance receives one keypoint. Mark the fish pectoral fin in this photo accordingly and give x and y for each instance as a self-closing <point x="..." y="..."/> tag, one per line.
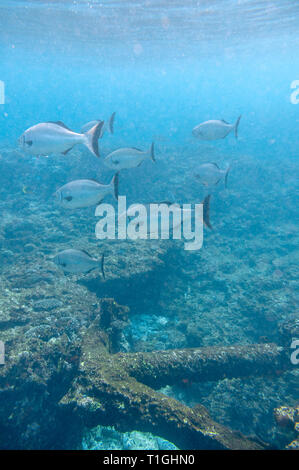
<point x="66" y="151"/>
<point x="90" y="270"/>
<point x="86" y="253"/>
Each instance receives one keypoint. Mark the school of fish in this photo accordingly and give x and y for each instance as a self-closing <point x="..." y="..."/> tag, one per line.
<point x="51" y="137"/>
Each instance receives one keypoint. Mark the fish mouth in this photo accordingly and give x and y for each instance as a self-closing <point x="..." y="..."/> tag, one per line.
<point x="57" y="197"/>
<point x="196" y="132"/>
<point x="21" y="140"/>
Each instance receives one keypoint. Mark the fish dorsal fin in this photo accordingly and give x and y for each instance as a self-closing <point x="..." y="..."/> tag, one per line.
<point x="135" y="148"/>
<point x="225" y="122"/>
<point x="168" y="203"/>
<point x="61" y="124"/>
<point x="215" y="164"/>
<point x="94" y="180"/>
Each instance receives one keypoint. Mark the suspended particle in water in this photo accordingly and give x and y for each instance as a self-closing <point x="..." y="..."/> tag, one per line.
<point x="138" y="49"/>
<point x="165" y="22"/>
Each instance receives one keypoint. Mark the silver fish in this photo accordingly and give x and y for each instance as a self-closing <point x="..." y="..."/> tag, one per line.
<point x="210" y="174"/>
<point x="85" y="193"/>
<point x="155" y="221"/>
<point x="107" y="127"/>
<point x="125" y="158"/>
<point x="55" y="137"/>
<point x="78" y="261"/>
<point x="214" y="130"/>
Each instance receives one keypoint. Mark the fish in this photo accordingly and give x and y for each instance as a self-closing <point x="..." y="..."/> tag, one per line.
<point x="215" y="129"/>
<point x="206" y="211"/>
<point x="210" y="174"/>
<point x="148" y="220"/>
<point x="125" y="158"/>
<point x="107" y="127"/>
<point x="55" y="137"/>
<point x="78" y="261"/>
<point x="85" y="193"/>
<point x="134" y="209"/>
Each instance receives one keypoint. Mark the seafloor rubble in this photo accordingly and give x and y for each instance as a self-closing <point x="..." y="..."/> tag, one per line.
<point x="71" y="356"/>
<point x="288" y="417"/>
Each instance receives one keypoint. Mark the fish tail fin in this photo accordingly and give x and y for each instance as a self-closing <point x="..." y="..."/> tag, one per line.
<point x="152" y="152"/>
<point x="89" y="125"/>
<point x="102" y="265"/>
<point x="226" y="176"/>
<point x="206" y="212"/>
<point x="237" y="125"/>
<point x="114" y="185"/>
<point x="92" y="137"/>
<point x="111" y="123"/>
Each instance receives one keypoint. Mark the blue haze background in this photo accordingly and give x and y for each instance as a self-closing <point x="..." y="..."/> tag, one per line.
<point x="154" y="70"/>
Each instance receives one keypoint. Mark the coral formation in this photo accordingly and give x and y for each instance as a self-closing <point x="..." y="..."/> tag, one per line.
<point x="204" y="326"/>
<point x="288" y="417"/>
<point x="114" y="389"/>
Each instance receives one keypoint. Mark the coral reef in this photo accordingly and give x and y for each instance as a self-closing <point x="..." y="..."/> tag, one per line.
<point x="113" y="389"/>
<point x="288" y="417"/>
<point x="107" y="438"/>
<point x="181" y="313"/>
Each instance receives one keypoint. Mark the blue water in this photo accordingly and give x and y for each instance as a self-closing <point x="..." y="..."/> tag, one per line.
<point x="163" y="67"/>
